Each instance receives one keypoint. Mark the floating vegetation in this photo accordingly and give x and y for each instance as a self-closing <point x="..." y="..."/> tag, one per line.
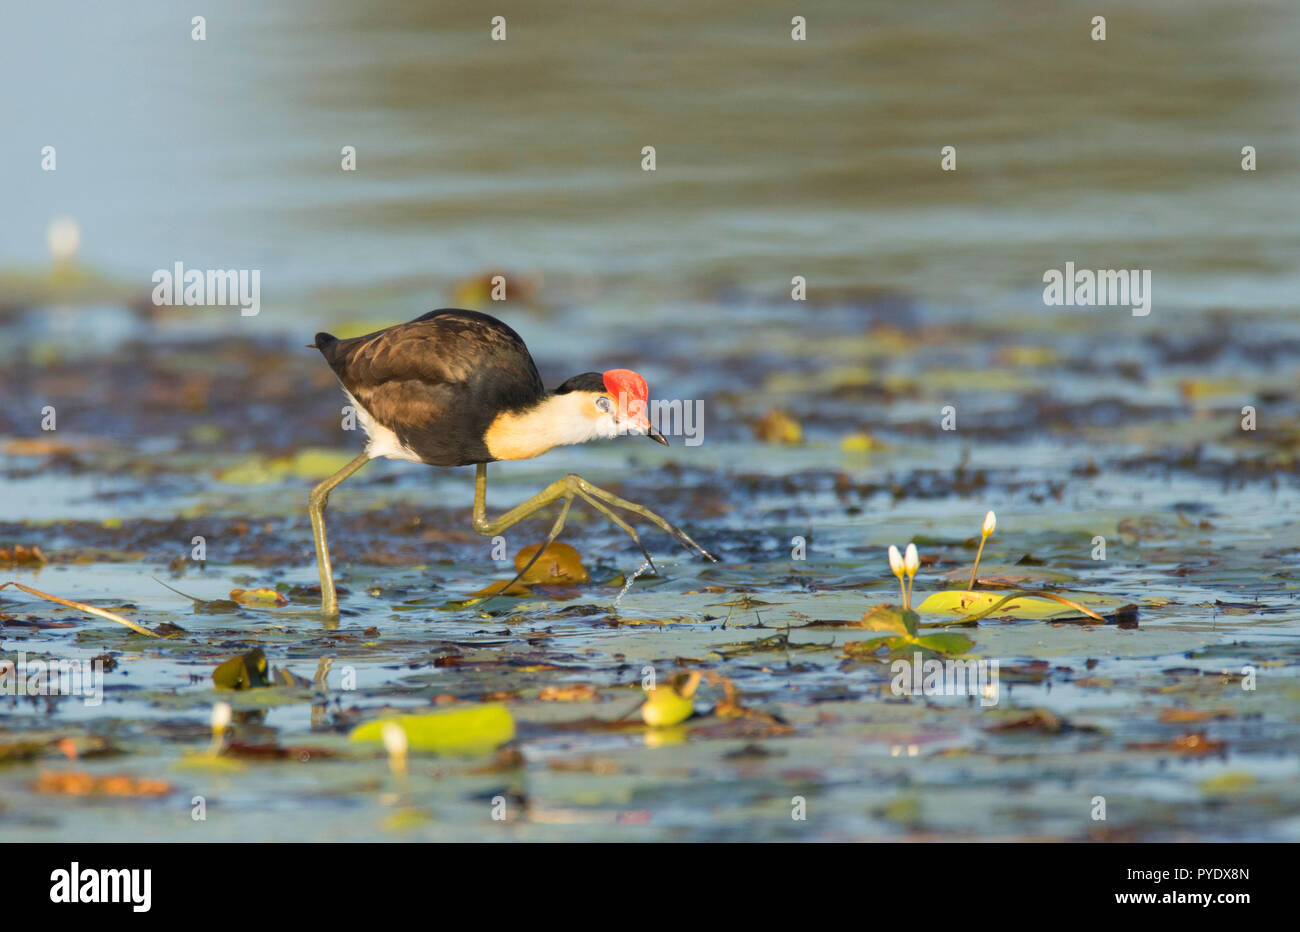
<point x="82" y="606"/>
<point x="426" y="699"/>
<point x="455" y="731"/>
<point x="671" y="703"/>
<point x="902" y="626"/>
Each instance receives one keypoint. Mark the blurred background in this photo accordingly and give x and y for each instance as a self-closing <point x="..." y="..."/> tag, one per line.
<point x="776" y="157"/>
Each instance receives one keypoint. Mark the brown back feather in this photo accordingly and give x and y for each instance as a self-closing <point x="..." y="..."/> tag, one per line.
<point x="439" y="380"/>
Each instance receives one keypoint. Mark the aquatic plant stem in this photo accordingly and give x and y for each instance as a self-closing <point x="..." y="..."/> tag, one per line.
<point x="138" y="629"/>
<point x="974" y="569"/>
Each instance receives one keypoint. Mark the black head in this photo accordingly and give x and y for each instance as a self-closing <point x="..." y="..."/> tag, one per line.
<point x="586" y="382"/>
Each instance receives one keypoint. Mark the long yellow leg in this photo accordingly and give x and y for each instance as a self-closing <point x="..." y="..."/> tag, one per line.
<point x="682" y="537"/>
<point x="316" y="501"/>
<point x="482" y="525"/>
<point x="619" y="522"/>
<point x="568" y="487"/>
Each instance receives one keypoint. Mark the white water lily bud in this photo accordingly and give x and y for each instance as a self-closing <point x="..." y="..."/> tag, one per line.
<point x="912" y="561"/>
<point x="990" y="522"/>
<point x="394" y="736"/>
<point x="63" y="239"/>
<point x="221" y="715"/>
<point x="895" y="561"/>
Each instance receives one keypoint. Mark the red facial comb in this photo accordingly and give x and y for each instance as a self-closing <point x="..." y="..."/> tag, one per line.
<point x="626" y="382"/>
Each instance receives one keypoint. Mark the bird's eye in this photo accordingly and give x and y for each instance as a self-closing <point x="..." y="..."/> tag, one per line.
<point x="603" y="404"/>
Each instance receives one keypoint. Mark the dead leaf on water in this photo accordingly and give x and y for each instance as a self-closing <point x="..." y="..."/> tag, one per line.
<point x="18" y="555"/>
<point x="778" y="427"/>
<point x="258" y="597"/>
<point x="559" y="564"/>
<point x="1191" y="744"/>
<point x="575" y="692"/>
<point x="77" y="783"/>
<point x="1039" y="720"/>
<point x="1192" y="715"/>
<point x="247" y="671"/>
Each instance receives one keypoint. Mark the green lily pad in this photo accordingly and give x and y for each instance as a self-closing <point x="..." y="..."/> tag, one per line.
<point x="456" y="731"/>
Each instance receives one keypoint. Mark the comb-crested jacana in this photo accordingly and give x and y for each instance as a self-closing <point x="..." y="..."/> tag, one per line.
<point x="459" y="388"/>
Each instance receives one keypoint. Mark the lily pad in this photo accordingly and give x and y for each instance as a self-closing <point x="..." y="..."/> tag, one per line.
<point x="1015" y="604"/>
<point x="455" y="731"/>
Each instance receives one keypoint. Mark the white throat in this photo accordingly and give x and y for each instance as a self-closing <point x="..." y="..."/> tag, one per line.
<point x="559" y="420"/>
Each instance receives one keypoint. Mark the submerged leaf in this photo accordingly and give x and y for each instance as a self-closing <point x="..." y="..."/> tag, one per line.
<point x="772" y="644"/>
<point x="860" y="443"/>
<point x="305" y="464"/>
<point x="1226" y="784"/>
<point x="206" y="760"/>
<point x="499" y="587"/>
<point x="946" y="642"/>
<point x="405" y="819"/>
<point x="871" y="647"/>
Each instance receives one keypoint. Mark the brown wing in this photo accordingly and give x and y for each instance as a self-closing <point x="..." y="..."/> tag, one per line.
<point x="438" y="381"/>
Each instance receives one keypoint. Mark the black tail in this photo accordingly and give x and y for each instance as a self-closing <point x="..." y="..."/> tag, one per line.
<point x="324" y="341"/>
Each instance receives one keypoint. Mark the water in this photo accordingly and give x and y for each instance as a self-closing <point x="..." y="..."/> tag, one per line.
<point x="628" y="585"/>
<point x="775" y="158"/>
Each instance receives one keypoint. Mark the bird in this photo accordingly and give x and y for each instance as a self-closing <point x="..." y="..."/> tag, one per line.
<point x="459" y="388"/>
